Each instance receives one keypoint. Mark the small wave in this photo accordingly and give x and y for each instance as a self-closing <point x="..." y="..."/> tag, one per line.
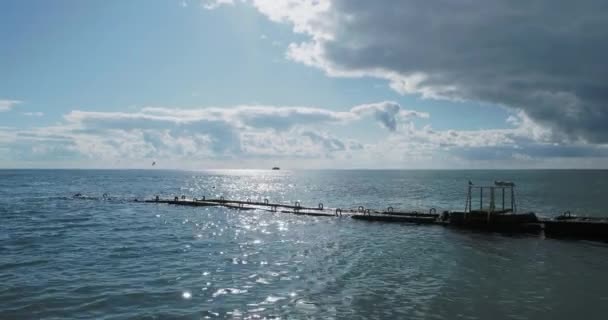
<point x="84" y="225"/>
<point x="272" y="299"/>
<point x="306" y="305"/>
<point x="72" y="219"/>
<point x="225" y="291"/>
<point x="14" y="265"/>
<point x="133" y="228"/>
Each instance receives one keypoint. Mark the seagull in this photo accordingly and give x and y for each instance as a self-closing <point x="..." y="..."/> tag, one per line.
<point x="153" y="163"/>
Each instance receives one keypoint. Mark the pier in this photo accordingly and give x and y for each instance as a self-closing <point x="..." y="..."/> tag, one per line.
<point x="489" y="208"/>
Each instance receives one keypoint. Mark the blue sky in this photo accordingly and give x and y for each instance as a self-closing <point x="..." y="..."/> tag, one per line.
<point x="199" y="84"/>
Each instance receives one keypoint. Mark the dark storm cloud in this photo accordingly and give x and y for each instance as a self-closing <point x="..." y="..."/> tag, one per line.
<point x="547" y="57"/>
<point x="532" y="151"/>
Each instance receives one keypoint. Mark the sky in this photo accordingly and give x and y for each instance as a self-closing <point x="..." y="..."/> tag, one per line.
<point x="308" y="84"/>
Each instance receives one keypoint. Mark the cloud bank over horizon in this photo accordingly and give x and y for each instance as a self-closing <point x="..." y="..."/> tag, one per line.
<point x="303" y="137"/>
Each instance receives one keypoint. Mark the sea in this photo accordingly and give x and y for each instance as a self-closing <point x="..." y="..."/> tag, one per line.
<point x="96" y="257"/>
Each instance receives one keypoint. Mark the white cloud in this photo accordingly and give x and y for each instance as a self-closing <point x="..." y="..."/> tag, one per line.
<point x="305" y="15"/>
<point x="33" y="114"/>
<point x="241" y="131"/>
<point x="388" y="113"/>
<point x="208" y="133"/>
<point x="6" y="105"/>
<point x="246" y="116"/>
<point x="214" y="4"/>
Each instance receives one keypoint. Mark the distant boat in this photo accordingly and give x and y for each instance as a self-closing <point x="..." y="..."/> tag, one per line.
<point x="276" y="168"/>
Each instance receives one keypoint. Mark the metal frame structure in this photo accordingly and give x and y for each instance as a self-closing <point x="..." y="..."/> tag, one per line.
<point x="500" y="186"/>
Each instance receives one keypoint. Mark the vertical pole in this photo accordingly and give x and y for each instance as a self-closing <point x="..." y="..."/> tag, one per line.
<point x="503" y="199"/>
<point x="480" y="198"/>
<point x="492" y="205"/>
<point x="470" y="198"/>
<point x="512" y="200"/>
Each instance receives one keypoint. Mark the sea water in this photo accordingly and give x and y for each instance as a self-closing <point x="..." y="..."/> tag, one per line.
<point x="94" y="258"/>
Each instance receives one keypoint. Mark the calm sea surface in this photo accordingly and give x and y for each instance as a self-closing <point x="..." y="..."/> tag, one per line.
<point x="116" y="259"/>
